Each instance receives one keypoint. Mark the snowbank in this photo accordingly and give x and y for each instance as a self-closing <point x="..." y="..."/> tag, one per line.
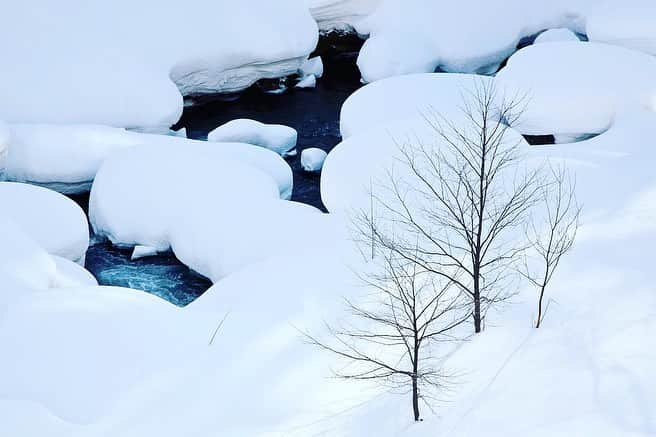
<point x="110" y="63"/>
<point x="624" y="23"/>
<point x="572" y="89"/>
<point x="312" y="159"/>
<point x="417" y="36"/>
<point x="340" y="15"/>
<point x="53" y="221"/>
<point x="408" y="96"/>
<point x="67" y="157"/>
<point x="556" y="35"/>
<point x="275" y="137"/>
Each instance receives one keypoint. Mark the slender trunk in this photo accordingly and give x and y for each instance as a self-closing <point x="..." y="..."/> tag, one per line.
<point x="477" y="302"/>
<point x="415" y="386"/>
<point x="415" y="398"/>
<point x="537" y="324"/>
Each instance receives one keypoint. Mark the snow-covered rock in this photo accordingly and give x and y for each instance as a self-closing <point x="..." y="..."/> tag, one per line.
<point x="312" y="159"/>
<point x="573" y="89"/>
<point x="340" y="15"/>
<point x="307" y="82"/>
<point x="275" y="137"/>
<point x="119" y="64"/>
<point x="313" y="66"/>
<point x="417" y="36"/>
<point x="408" y="96"/>
<point x="556" y="35"/>
<point x="140" y="192"/>
<point x="627" y="23"/>
<point x="53" y="221"/>
<point x="143" y="252"/>
<point x="67" y="157"/>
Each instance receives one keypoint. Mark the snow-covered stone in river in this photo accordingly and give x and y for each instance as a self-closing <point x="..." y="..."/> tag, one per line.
<point x="628" y="23"/>
<point x="53" y="221"/>
<point x="309" y="81"/>
<point x="340" y="15"/>
<point x="471" y="36"/>
<point x="556" y="35"/>
<point x="573" y="89"/>
<point x="143" y="252"/>
<point x="313" y="66"/>
<point x="396" y="98"/>
<point x="312" y="159"/>
<point x="275" y="137"/>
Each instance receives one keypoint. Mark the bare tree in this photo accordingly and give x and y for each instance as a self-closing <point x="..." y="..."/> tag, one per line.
<point x="459" y="205"/>
<point x="555" y="236"/>
<point x="397" y="328"/>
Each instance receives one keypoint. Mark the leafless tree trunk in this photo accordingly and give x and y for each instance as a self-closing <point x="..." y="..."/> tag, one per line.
<point x="459" y="205"/>
<point x="397" y="327"/>
<point x="553" y="238"/>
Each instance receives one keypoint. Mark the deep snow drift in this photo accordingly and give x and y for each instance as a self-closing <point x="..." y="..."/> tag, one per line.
<point x="81" y="62"/>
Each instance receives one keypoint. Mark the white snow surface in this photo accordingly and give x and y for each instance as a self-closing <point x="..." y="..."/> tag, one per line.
<point x="313" y="66"/>
<point x="67" y="157"/>
<point x="406" y="96"/>
<point x="275" y="137"/>
<point x="340" y="15"/>
<point x="556" y="35"/>
<point x="81" y="62"/>
<point x="53" y="221"/>
<point x="312" y="159"/>
<point x="628" y="23"/>
<point x="417" y="36"/>
<point x="572" y="88"/>
<point x="309" y="81"/>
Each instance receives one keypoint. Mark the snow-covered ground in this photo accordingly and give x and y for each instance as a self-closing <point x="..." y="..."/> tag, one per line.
<point x="85" y="360"/>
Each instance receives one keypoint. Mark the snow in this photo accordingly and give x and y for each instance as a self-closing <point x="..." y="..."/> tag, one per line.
<point x="417" y="36"/>
<point x="573" y="89"/>
<point x="106" y="66"/>
<point x="53" y="221"/>
<point x="275" y="137"/>
<point x="407" y="96"/>
<point x="67" y="157"/>
<point x="312" y="159"/>
<point x="143" y="252"/>
<point x="313" y="66"/>
<point x="624" y="23"/>
<point x="4" y="146"/>
<point x="340" y="15"/>
<point x="70" y="274"/>
<point x="309" y="81"/>
<point x="556" y="35"/>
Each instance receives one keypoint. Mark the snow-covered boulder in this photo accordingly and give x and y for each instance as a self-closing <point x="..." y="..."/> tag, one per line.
<point x="573" y="89"/>
<point x="556" y="35"/>
<point x="313" y="66"/>
<point x="312" y="159"/>
<point x="417" y="36"/>
<point x="627" y="23"/>
<point x="275" y="137"/>
<point x="408" y="96"/>
<point x="118" y="64"/>
<point x="309" y="81"/>
<point x="53" y="221"/>
<point x="140" y="192"/>
<point x="340" y="15"/>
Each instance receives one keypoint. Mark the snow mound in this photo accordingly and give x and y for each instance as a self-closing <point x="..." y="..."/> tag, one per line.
<point x="625" y="23"/>
<point x="572" y="89"/>
<point x="312" y="159"/>
<point x="470" y="36"/>
<point x="309" y="81"/>
<point x="67" y="157"/>
<point x="140" y="192"/>
<point x="556" y="35"/>
<point x="275" y="137"/>
<point x="70" y="274"/>
<point x="118" y="64"/>
<point x="408" y="96"/>
<point x="340" y="15"/>
<point x="313" y="66"/>
<point x="53" y="221"/>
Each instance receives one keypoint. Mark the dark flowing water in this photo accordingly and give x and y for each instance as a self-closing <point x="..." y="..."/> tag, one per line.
<point x="313" y="112"/>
